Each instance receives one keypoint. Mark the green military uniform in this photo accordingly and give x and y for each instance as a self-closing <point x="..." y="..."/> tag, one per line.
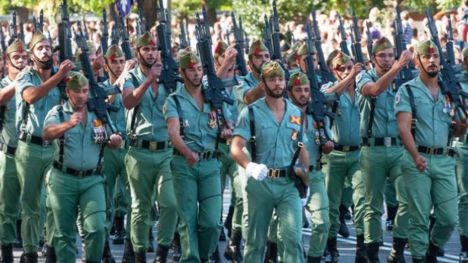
<point x="197" y="187"/>
<point x="76" y="180"/>
<point x="343" y="162"/>
<point x="9" y="184"/>
<point x="436" y="186"/>
<point x="33" y="155"/>
<point x="148" y="161"/>
<point x="380" y="158"/>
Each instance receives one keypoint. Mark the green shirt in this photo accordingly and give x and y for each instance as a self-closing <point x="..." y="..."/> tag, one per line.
<point x="385" y="124"/>
<point x="37" y="111"/>
<point x="80" y="151"/>
<point x="149" y="120"/>
<point x="275" y="142"/>
<point x="432" y="127"/>
<point x="117" y="117"/>
<point x="9" y="134"/>
<point x="346" y="123"/>
<point x="246" y="83"/>
<point x="199" y="125"/>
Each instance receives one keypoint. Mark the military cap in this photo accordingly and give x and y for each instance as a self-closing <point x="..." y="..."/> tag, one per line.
<point x="220" y="49"/>
<point x="331" y="56"/>
<point x="113" y="52"/>
<point x="16" y="46"/>
<point x="302" y="51"/>
<point x="91" y="49"/>
<point x="36" y="38"/>
<point x="427" y="48"/>
<point x="272" y="69"/>
<point x="381" y="44"/>
<point x="298" y="79"/>
<point x="188" y="59"/>
<point x="340" y="59"/>
<point x="75" y="80"/>
<point x="256" y="47"/>
<point x="145" y="40"/>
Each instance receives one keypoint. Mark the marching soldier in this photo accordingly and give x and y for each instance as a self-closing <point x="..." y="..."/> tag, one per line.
<point x="269" y="187"/>
<point x="36" y="94"/>
<point x="76" y="177"/>
<point x="382" y="153"/>
<point x="193" y="128"/>
<point x="428" y="122"/>
<point x="343" y="161"/>
<point x="317" y="204"/>
<point x="150" y="152"/>
<point x="16" y="60"/>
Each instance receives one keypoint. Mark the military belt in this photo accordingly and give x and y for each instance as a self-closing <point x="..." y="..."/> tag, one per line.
<point x="74" y="172"/>
<point x="346" y="148"/>
<point x="150" y="145"/>
<point x="225" y="141"/>
<point x="7" y="149"/>
<point x="29" y="138"/>
<point x="277" y="173"/>
<point x="381" y="141"/>
<point x="437" y="151"/>
<point x="201" y="155"/>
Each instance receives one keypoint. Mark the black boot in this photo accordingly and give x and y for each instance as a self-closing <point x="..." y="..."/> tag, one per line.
<point x="332" y="255"/>
<point x="305" y="221"/>
<point x="416" y="260"/>
<point x="222" y="235"/>
<point x="314" y="259"/>
<point x="107" y="254"/>
<point x="215" y="257"/>
<point x="51" y="257"/>
<point x="373" y="252"/>
<point x="30" y="257"/>
<point x="397" y="254"/>
<point x="129" y="255"/>
<point x="464" y="249"/>
<point x="361" y="252"/>
<point x="151" y="240"/>
<point x="161" y="254"/>
<point x="7" y="253"/>
<point x="228" y="221"/>
<point x="391" y="213"/>
<point x="119" y="236"/>
<point x="19" y="240"/>
<point x="431" y="254"/>
<point x="233" y="249"/>
<point x="343" y="231"/>
<point x="140" y="257"/>
<point x="271" y="253"/>
<point x="175" y="247"/>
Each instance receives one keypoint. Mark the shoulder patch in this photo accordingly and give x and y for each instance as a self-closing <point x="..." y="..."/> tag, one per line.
<point x="295" y="119"/>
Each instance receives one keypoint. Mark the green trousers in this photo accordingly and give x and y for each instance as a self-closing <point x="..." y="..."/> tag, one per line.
<point x="462" y="176"/>
<point x="263" y="197"/>
<point x="147" y="171"/>
<point x="114" y="169"/>
<point x="379" y="164"/>
<point x="67" y="192"/>
<point x="32" y="161"/>
<point x="9" y="195"/>
<point x="435" y="188"/>
<point x="198" y="193"/>
<point x="342" y="167"/>
<point x="318" y="207"/>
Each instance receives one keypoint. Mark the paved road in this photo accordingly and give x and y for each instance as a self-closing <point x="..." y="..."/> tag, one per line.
<point x="346" y="246"/>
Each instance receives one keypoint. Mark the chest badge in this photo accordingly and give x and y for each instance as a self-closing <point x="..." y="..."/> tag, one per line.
<point x="295" y="119"/>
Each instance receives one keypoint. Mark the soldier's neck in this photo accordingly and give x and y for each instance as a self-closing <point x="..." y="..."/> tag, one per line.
<point x="43" y="73"/>
<point x="431" y="83"/>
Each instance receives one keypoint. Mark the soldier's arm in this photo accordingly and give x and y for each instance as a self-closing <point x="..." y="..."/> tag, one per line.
<point x="7" y="93"/>
<point x="31" y="94"/>
<point x="132" y="96"/>
<point x="173" y="128"/>
<point x="304" y="157"/>
<point x="254" y="94"/>
<point x="340" y="86"/>
<point x="237" y="144"/>
<point x="404" y="124"/>
<point x="459" y="128"/>
<point x="54" y="129"/>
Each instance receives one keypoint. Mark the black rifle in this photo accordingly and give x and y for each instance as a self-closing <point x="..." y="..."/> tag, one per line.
<point x="449" y="84"/>
<point x="183" y="42"/>
<point x="141" y="18"/>
<point x="115" y="36"/>
<point x="21" y="35"/>
<point x="2" y="40"/>
<point x="325" y="73"/>
<point x="41" y="21"/>
<point x="405" y="74"/>
<point x="239" y="39"/>
<point x="13" y="28"/>
<point x="357" y="50"/>
<point x="97" y="101"/>
<point x="369" y="40"/>
<point x="275" y="35"/>
<point x="105" y="32"/>
<point x="247" y="43"/>
<point x="266" y="34"/>
<point x="343" y="43"/>
<point x="215" y="94"/>
<point x="35" y="25"/>
<point x="125" y="44"/>
<point x="169" y="76"/>
<point x="65" y="45"/>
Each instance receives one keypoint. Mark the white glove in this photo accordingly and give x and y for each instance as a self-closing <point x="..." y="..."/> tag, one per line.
<point x="257" y="171"/>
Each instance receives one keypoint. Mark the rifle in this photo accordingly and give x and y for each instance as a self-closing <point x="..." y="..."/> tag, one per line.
<point x="21" y="36"/>
<point x="13" y="28"/>
<point x="215" y="94"/>
<point x="266" y="34"/>
<point x="125" y="44"/>
<point x="97" y="101"/>
<point x="247" y="43"/>
<point x="275" y="35"/>
<point x="343" y="43"/>
<point x="105" y="32"/>
<point x="405" y="74"/>
<point x="169" y="76"/>
<point x="35" y="25"/>
<point x="2" y="40"/>
<point x="449" y="84"/>
<point x="327" y="76"/>
<point x="369" y="40"/>
<point x="65" y="46"/>
<point x="41" y="20"/>
<point x="183" y="43"/>
<point x="239" y="45"/>
<point x="357" y="51"/>
<point x="115" y="37"/>
<point x="449" y="45"/>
